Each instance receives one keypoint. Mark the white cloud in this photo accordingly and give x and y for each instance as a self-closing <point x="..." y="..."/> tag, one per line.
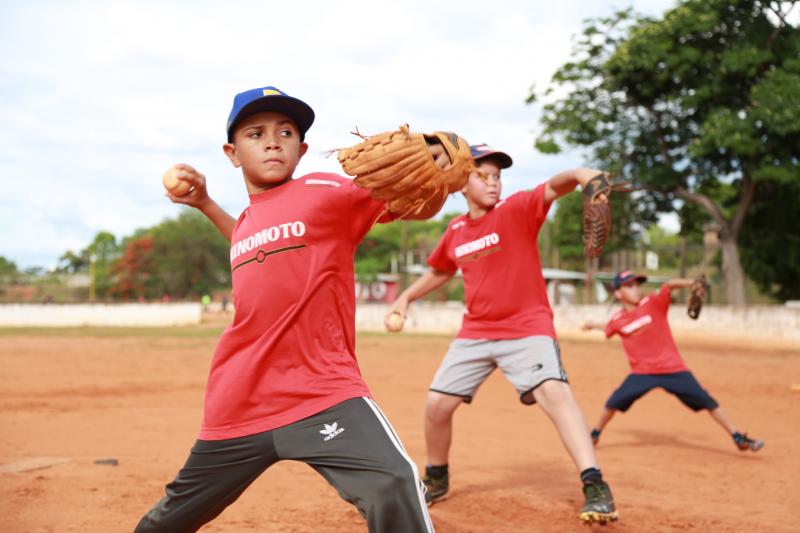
<point x="98" y="98"/>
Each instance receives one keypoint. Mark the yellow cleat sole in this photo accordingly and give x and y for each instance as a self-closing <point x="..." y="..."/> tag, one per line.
<point x="590" y="518"/>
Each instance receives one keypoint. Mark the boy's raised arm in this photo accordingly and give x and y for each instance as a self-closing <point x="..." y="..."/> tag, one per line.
<point x="589" y="325"/>
<point x="679" y="283"/>
<point x="198" y="198"/>
<point x="565" y="182"/>
<point x="220" y="218"/>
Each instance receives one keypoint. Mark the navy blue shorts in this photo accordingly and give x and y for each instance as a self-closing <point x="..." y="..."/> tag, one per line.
<point x="681" y="384"/>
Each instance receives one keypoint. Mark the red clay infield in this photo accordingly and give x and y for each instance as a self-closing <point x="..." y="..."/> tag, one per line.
<point x="136" y="396"/>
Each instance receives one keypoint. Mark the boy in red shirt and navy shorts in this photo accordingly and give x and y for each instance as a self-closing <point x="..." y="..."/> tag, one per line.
<point x="284" y="381"/>
<point x="508" y="322"/>
<point x="655" y="362"/>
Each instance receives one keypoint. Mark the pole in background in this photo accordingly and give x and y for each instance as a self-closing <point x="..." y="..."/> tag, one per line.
<point x="92" y="259"/>
<point x="404" y="255"/>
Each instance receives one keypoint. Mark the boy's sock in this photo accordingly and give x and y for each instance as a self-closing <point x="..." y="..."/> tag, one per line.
<point x="436" y="470"/>
<point x="592" y="475"/>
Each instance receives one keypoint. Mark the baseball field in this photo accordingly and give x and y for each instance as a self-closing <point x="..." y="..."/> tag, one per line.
<point x="72" y="397"/>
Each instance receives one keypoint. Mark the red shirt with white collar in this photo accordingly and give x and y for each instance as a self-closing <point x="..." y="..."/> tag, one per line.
<point x="498" y="254"/>
<point x="646" y="336"/>
<point x="290" y="351"/>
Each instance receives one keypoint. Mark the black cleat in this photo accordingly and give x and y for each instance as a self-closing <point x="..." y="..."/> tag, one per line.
<point x="599" y="507"/>
<point x="437" y="488"/>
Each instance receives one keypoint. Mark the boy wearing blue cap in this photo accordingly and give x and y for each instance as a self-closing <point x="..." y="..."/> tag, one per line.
<point x="284" y="382"/>
<point x="655" y="362"/>
<point x="508" y="323"/>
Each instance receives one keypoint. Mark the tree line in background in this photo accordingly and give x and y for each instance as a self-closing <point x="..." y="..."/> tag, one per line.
<point x="186" y="257"/>
<point x="179" y="258"/>
<point x="700" y="109"/>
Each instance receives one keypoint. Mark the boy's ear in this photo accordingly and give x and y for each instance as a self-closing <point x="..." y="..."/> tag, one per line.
<point x="230" y="151"/>
<point x="303" y="150"/>
<point x="466" y="184"/>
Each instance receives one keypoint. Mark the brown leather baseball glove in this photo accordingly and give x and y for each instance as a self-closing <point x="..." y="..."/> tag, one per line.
<point x="412" y="172"/>
<point x="697" y="296"/>
<point x="597" y="212"/>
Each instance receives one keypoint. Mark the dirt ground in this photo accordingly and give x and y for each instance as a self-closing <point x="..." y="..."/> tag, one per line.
<point x="136" y="396"/>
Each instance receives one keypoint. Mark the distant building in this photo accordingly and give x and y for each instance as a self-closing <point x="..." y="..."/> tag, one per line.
<point x="384" y="289"/>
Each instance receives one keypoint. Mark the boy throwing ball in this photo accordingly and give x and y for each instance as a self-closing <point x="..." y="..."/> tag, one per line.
<point x="654" y="358"/>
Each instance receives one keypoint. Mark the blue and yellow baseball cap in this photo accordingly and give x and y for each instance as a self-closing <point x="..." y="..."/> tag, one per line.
<point x="270" y="99"/>
<point x="626" y="277"/>
<point x="479" y="151"/>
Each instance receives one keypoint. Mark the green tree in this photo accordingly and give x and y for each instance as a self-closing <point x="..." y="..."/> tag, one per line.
<point x="374" y="253"/>
<point x="666" y="245"/>
<point x="393" y="240"/>
<point x="567" y="229"/>
<point x="103" y="251"/>
<point x="190" y="256"/>
<point x="133" y="271"/>
<point x="631" y="218"/>
<point x="772" y="258"/>
<point x="72" y="263"/>
<point x="8" y="271"/>
<point x="699" y="107"/>
<point x="183" y="257"/>
<point x="104" y="247"/>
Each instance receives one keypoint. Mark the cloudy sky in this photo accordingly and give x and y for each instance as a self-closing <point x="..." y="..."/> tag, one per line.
<point x="97" y="99"/>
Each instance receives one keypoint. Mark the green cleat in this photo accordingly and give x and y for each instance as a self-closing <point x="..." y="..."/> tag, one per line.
<point x="599" y="507"/>
<point x="437" y="488"/>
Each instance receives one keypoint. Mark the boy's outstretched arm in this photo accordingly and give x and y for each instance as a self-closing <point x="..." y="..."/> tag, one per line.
<point x="589" y="325"/>
<point x="679" y="283"/>
<point x="199" y="199"/>
<point x="565" y="182"/>
<point x="431" y="280"/>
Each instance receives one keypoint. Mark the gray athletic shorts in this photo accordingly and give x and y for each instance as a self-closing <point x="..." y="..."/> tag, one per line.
<point x="527" y="363"/>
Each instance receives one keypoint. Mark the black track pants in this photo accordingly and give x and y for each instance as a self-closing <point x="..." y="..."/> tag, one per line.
<point x="352" y="445"/>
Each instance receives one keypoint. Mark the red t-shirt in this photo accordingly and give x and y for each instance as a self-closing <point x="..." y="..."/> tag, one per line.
<point x="290" y="351"/>
<point x="646" y="336"/>
<point x="498" y="255"/>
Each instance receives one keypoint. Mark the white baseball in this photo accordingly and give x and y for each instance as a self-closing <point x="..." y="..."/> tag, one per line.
<point x="395" y="322"/>
<point x="175" y="186"/>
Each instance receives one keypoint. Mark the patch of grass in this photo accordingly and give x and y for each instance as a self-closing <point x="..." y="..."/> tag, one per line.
<point x="405" y="334"/>
<point x="201" y="331"/>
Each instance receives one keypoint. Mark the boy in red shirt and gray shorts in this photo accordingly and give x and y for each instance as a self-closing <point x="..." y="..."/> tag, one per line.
<point x="655" y="362"/>
<point x="284" y="381"/>
<point x="508" y="322"/>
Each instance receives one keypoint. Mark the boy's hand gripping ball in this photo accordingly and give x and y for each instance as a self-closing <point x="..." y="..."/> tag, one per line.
<point x="394" y="322"/>
<point x="175" y="186"/>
